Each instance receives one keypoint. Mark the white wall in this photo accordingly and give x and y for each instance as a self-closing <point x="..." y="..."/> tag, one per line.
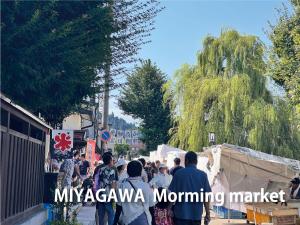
<point x="72" y="122"/>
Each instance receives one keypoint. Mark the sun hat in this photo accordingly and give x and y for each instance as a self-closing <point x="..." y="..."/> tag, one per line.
<point x="121" y="162"/>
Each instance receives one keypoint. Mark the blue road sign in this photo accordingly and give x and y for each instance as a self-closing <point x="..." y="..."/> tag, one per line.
<point x="105" y="135"/>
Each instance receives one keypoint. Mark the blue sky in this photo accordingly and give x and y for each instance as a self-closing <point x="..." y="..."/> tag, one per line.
<point x="182" y="26"/>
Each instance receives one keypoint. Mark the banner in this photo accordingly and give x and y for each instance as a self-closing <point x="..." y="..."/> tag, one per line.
<point x="90" y="152"/>
<point x="61" y="144"/>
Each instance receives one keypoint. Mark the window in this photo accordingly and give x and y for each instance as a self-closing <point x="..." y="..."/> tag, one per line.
<point x="4" y="117"/>
<point x="18" y="124"/>
<point x="36" y="133"/>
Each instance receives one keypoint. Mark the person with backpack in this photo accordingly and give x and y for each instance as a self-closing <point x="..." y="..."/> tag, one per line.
<point x="139" y="212"/>
<point x="84" y="167"/>
<point x="106" y="179"/>
<point x="69" y="170"/>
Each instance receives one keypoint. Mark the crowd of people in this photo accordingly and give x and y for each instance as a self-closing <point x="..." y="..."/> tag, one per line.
<point x="145" y="176"/>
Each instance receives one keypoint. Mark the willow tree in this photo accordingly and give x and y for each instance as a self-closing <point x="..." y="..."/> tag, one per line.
<point x="225" y="93"/>
<point x="285" y="55"/>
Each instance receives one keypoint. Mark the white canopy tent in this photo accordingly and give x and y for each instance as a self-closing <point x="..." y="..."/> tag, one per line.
<point x="162" y="151"/>
<point x="175" y="154"/>
<point x="237" y="169"/>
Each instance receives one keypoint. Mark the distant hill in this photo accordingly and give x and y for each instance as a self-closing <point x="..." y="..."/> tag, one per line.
<point x="119" y="123"/>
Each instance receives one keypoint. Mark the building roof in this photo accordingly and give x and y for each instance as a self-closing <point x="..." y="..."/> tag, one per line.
<point x="24" y="111"/>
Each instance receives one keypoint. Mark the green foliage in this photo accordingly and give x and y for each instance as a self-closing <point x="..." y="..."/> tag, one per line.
<point x="225" y="93"/>
<point x="50" y="50"/>
<point x="142" y="98"/>
<point x="285" y="54"/>
<point x="122" y="149"/>
<point x="144" y="152"/>
<point x="54" y="53"/>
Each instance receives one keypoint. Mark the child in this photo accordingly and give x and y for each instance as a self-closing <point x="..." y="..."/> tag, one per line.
<point x="161" y="213"/>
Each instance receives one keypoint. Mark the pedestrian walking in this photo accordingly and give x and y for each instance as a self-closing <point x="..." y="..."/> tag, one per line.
<point x="162" y="179"/>
<point x="176" y="166"/>
<point x="84" y="167"/>
<point x="140" y="212"/>
<point x="190" y="179"/>
<point x="67" y="170"/>
<point x="161" y="212"/>
<point x="154" y="169"/>
<point x="295" y="188"/>
<point x="148" y="170"/>
<point x="157" y="163"/>
<point x="121" y="168"/>
<point x="144" y="174"/>
<point x="107" y="179"/>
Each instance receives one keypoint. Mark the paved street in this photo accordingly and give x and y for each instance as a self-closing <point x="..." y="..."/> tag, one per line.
<point x="225" y="222"/>
<point x="86" y="215"/>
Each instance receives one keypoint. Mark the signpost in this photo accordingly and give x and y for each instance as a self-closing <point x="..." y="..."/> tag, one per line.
<point x="105" y="136"/>
<point x="90" y="152"/>
<point x="63" y="140"/>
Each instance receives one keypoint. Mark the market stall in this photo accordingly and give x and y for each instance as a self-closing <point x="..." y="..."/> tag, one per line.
<point x="232" y="168"/>
<point x="278" y="214"/>
<point x="162" y="152"/>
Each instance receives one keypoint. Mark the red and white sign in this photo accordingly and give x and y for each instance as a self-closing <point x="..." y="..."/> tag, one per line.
<point x="90" y="152"/>
<point x="63" y="139"/>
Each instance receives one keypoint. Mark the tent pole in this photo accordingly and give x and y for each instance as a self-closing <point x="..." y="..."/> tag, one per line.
<point x="254" y="213"/>
<point x="229" y="186"/>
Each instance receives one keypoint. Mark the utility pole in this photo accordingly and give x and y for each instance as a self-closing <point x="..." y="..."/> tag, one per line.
<point x="105" y="103"/>
<point x="106" y="97"/>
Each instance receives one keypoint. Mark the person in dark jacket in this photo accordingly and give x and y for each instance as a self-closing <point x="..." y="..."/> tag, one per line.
<point x="295" y="188"/>
<point x="176" y="166"/>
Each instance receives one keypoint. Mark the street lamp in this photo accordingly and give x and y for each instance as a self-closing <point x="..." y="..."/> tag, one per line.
<point x="211" y="138"/>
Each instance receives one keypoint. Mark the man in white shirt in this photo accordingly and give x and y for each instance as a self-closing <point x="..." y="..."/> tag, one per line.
<point x="131" y="212"/>
<point x="162" y="179"/>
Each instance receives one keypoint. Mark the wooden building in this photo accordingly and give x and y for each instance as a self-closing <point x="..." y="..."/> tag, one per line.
<point x="23" y="141"/>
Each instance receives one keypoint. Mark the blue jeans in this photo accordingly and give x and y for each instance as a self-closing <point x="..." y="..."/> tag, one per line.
<point x="106" y="207"/>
